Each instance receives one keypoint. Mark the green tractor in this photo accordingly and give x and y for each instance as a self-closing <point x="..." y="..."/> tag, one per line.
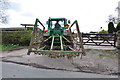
<point x="58" y="40"/>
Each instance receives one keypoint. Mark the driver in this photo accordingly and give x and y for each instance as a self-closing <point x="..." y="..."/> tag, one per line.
<point x="57" y="25"/>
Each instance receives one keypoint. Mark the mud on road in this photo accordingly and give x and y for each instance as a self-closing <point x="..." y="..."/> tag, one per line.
<point x="96" y="61"/>
<point x="99" y="61"/>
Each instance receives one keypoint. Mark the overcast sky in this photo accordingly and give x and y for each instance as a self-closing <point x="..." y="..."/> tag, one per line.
<point x="91" y="14"/>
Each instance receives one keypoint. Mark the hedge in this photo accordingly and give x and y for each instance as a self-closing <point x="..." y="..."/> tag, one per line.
<point x="118" y="32"/>
<point x="16" y="37"/>
<point x="118" y="26"/>
<point x="103" y="32"/>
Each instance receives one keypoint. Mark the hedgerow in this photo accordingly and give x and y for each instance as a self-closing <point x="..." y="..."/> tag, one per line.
<point x="16" y="37"/>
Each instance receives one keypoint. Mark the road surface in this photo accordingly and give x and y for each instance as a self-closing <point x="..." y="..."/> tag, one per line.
<point x="16" y="64"/>
<point x="11" y="70"/>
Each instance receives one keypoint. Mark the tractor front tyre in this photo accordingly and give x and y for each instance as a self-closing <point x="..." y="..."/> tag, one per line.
<point x="28" y="53"/>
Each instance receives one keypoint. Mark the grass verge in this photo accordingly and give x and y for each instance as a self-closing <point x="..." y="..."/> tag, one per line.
<point x="8" y="47"/>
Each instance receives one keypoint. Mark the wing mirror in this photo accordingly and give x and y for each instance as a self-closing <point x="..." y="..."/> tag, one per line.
<point x="69" y="22"/>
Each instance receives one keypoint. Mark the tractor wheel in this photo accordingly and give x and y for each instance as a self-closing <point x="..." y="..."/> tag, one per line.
<point x="28" y="53"/>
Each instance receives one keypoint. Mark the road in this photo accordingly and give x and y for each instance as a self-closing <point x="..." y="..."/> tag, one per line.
<point x="16" y="64"/>
<point x="11" y="70"/>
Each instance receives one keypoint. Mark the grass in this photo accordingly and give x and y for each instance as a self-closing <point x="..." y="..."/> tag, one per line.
<point x="109" y="56"/>
<point x="8" y="47"/>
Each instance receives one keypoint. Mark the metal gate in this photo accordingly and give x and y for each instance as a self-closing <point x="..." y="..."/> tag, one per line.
<point x="100" y="39"/>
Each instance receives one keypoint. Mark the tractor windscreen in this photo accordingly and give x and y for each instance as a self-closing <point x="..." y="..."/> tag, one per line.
<point x="55" y="24"/>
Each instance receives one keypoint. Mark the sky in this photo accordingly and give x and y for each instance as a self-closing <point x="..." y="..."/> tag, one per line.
<point x="91" y="14"/>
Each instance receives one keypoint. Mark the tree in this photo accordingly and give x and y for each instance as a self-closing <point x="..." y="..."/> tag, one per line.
<point x="111" y="27"/>
<point x="113" y="18"/>
<point x="3" y="15"/>
<point x="118" y="27"/>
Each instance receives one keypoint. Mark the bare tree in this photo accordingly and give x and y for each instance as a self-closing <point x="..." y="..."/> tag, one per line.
<point x="4" y="4"/>
<point x="112" y="18"/>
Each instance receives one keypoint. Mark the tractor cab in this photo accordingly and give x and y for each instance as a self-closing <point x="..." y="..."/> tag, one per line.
<point x="57" y="26"/>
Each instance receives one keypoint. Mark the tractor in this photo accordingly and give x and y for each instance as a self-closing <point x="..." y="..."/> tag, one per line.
<point x="58" y="40"/>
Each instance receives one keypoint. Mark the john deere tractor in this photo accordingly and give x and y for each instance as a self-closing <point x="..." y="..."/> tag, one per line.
<point x="57" y="40"/>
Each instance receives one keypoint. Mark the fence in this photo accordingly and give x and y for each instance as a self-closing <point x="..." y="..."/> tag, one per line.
<point x="100" y="39"/>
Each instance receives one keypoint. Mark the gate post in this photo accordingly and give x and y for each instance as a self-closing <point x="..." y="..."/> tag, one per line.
<point x="115" y="39"/>
<point x="118" y="41"/>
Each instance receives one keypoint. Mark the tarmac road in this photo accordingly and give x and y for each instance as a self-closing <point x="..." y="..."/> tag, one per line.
<point x="11" y="70"/>
<point x="16" y="64"/>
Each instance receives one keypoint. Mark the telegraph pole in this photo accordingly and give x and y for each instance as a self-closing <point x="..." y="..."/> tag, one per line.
<point x="119" y="11"/>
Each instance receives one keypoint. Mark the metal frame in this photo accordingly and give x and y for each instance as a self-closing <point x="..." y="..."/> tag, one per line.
<point x="37" y="46"/>
<point x="100" y="39"/>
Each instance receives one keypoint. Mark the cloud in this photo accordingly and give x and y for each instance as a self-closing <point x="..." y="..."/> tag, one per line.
<point x="91" y="14"/>
<point x="15" y="6"/>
